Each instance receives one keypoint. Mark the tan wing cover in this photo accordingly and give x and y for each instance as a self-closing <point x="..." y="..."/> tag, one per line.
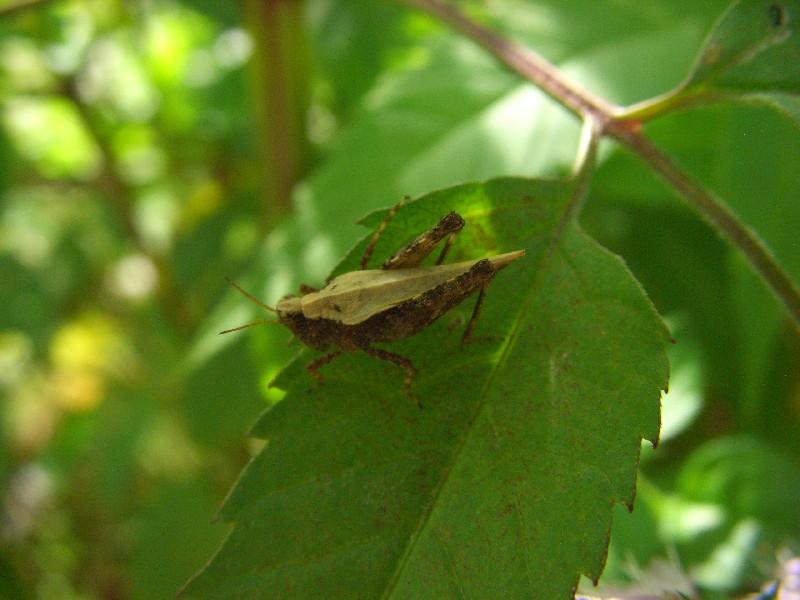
<point x="356" y="296"/>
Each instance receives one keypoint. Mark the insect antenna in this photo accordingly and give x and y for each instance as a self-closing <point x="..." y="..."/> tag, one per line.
<point x="250" y="325"/>
<point x="256" y="301"/>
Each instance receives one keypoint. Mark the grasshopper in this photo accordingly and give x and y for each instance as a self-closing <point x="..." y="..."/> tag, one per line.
<point x="391" y="303"/>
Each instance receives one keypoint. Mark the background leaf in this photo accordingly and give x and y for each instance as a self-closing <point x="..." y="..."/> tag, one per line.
<point x="754" y="47"/>
<point x="752" y="53"/>
<point x="520" y="447"/>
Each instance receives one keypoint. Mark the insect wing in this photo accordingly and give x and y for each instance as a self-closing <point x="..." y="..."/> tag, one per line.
<point x="354" y="297"/>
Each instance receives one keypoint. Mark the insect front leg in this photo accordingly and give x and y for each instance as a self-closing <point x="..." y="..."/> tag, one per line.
<point x="371" y="246"/>
<point x="316" y="364"/>
<point x="400" y="361"/>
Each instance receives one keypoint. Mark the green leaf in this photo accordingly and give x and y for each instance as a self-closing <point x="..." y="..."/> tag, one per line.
<point x="753" y="48"/>
<point x="502" y="485"/>
<point x="753" y="52"/>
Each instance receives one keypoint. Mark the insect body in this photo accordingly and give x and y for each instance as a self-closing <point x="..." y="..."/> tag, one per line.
<point x="391" y="303"/>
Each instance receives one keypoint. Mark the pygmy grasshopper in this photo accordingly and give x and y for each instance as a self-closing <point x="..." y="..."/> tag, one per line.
<point x="391" y="303"/>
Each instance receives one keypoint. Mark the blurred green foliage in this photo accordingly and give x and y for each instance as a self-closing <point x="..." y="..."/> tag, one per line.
<point x="128" y="186"/>
<point x="137" y="168"/>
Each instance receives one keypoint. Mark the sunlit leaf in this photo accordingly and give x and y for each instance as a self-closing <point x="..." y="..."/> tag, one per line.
<point x="50" y="133"/>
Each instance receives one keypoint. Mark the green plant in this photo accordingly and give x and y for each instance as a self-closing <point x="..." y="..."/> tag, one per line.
<point x="150" y="149"/>
<point x="503" y="487"/>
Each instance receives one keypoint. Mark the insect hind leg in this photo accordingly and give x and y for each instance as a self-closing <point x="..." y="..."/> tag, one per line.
<point x="446" y="248"/>
<point x="412" y="254"/>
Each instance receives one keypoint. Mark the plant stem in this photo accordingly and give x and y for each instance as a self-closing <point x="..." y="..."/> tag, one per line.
<point x="282" y="88"/>
<point x="587" y="106"/>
